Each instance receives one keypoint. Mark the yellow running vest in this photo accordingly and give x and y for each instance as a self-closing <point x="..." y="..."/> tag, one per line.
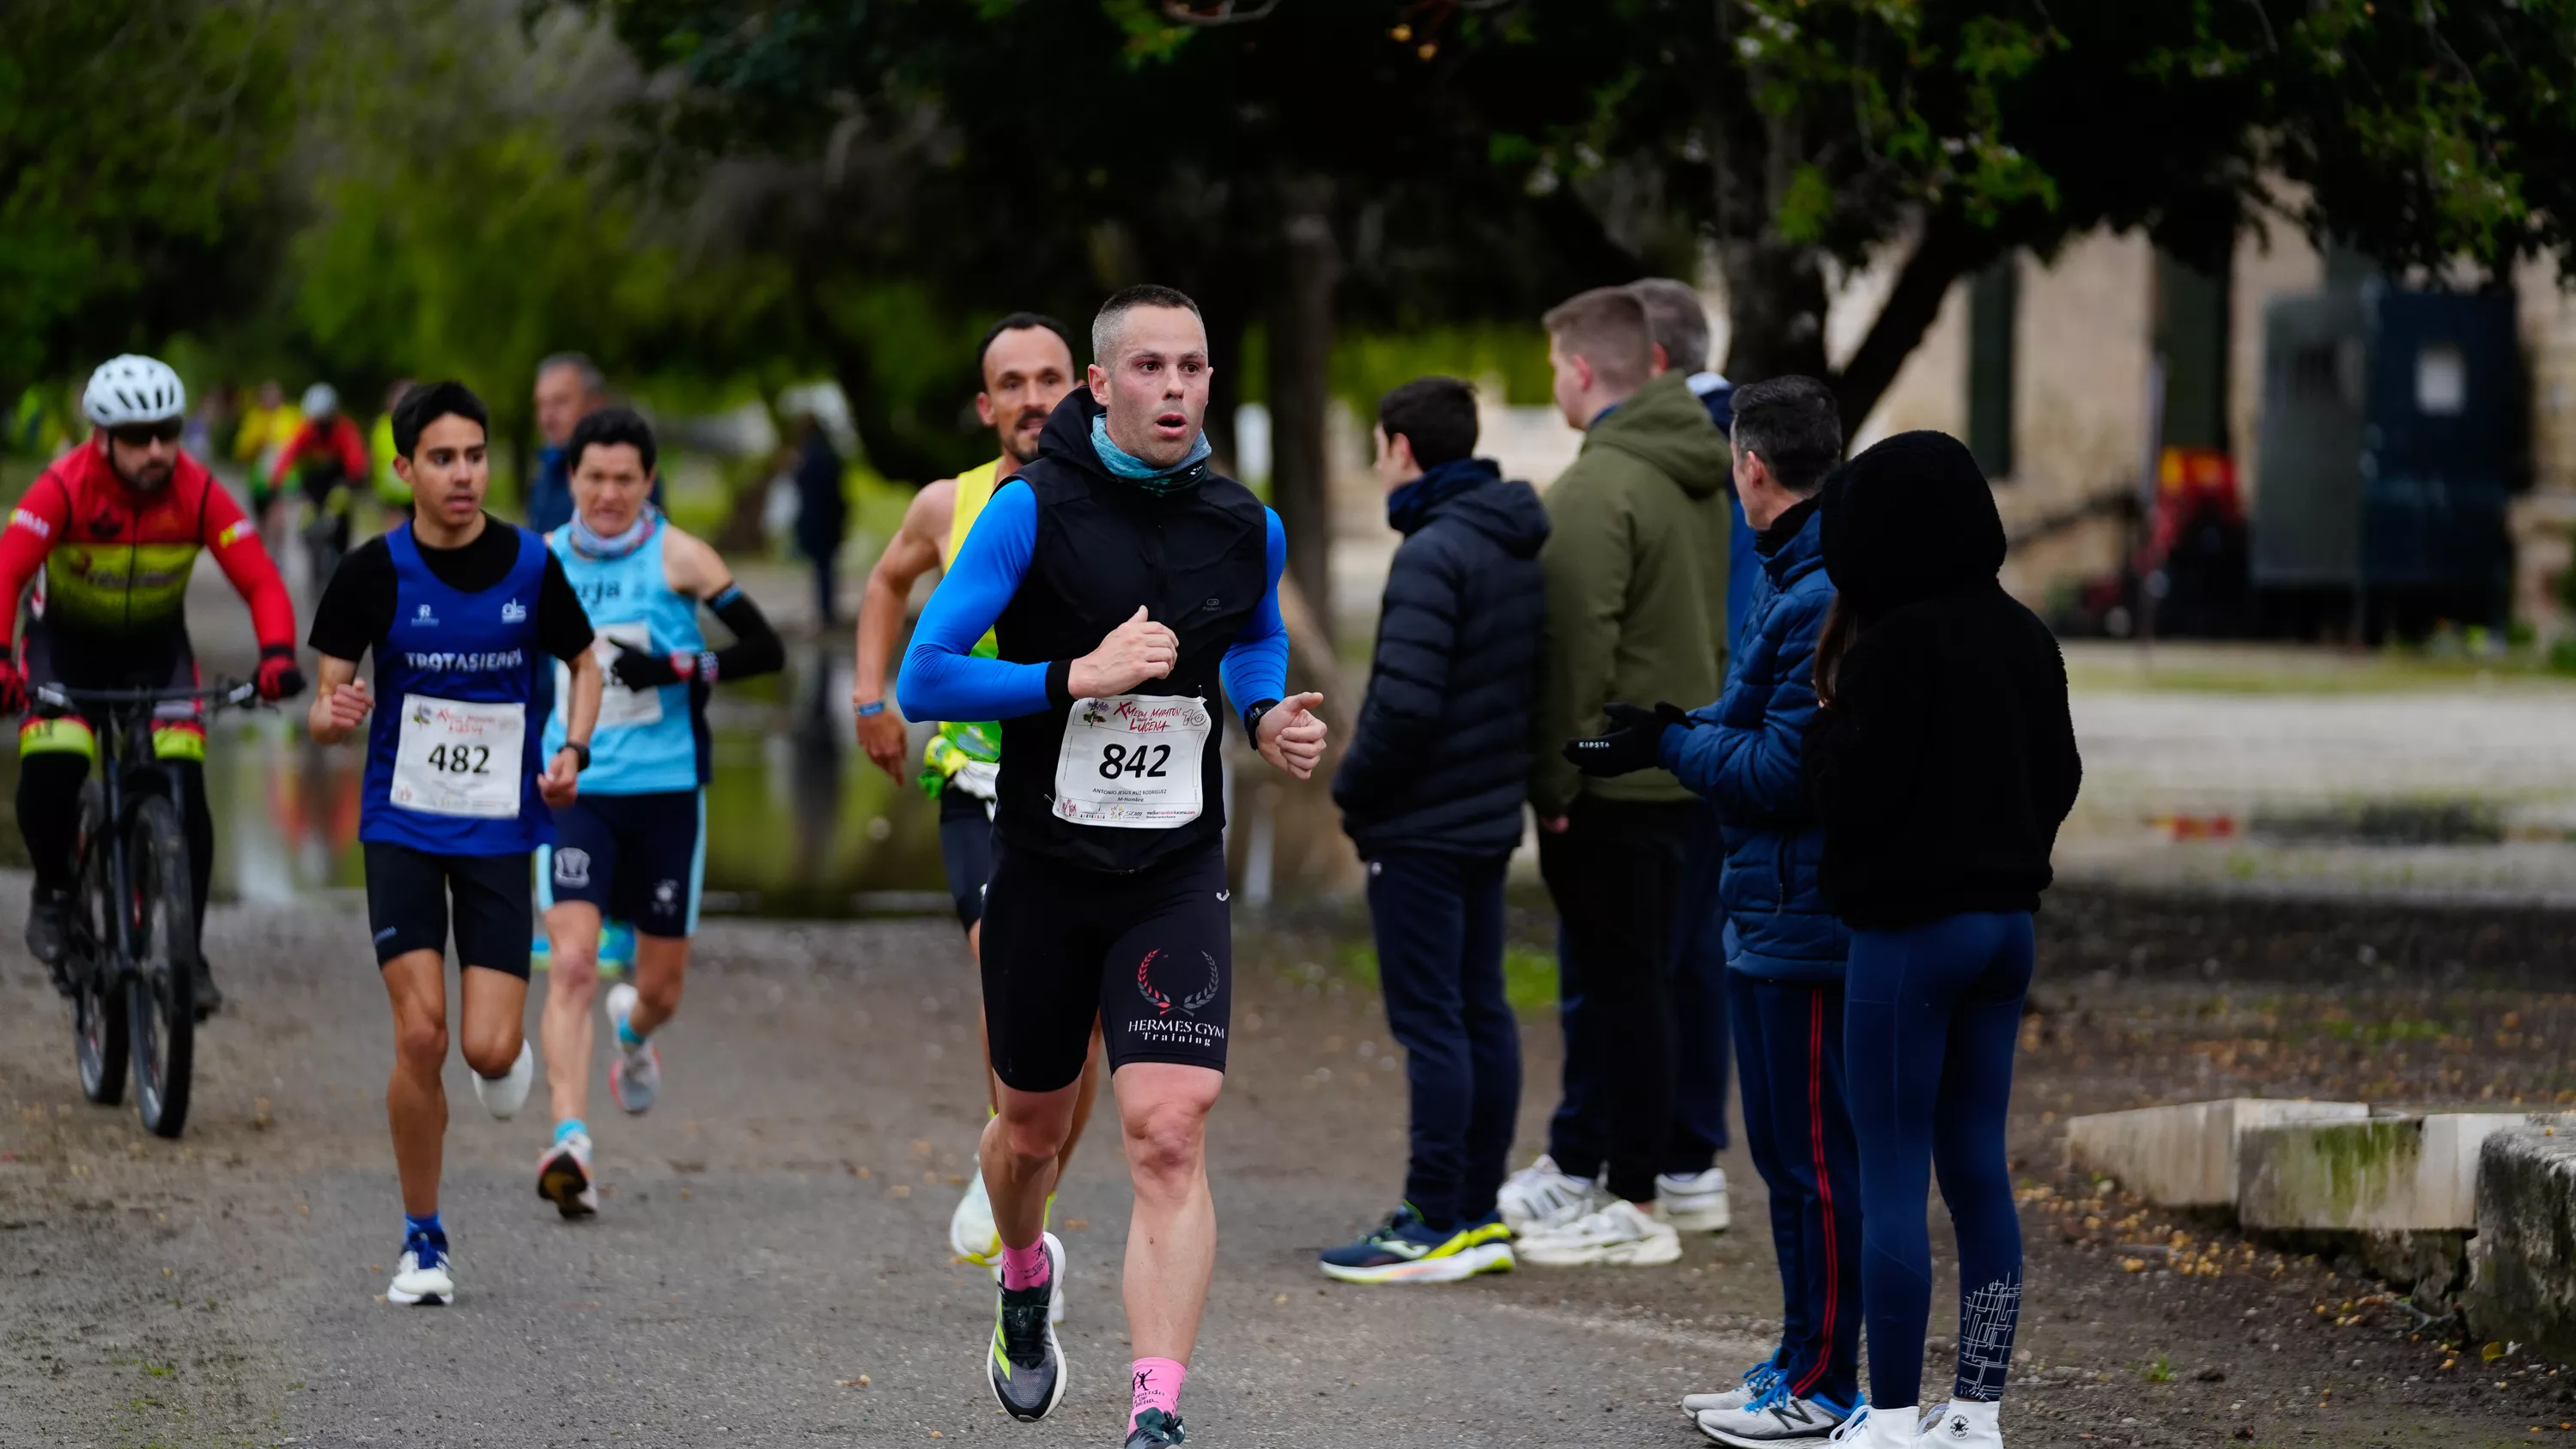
<point x="957" y="746"/>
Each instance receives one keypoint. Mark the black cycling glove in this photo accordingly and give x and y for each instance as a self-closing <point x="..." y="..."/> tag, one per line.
<point x="1634" y="741"/>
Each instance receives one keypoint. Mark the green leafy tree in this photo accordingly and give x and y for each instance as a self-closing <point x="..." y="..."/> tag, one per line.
<point x="137" y="139"/>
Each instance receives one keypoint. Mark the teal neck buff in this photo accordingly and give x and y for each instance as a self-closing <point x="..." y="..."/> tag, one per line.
<point x="1145" y="476"/>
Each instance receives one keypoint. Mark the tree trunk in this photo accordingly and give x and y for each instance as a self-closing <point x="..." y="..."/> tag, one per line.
<point x="1946" y="248"/>
<point x="1775" y="305"/>
<point x="1301" y="345"/>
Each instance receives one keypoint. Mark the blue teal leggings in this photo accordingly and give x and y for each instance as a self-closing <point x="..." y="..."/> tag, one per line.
<point x="1930" y="1019"/>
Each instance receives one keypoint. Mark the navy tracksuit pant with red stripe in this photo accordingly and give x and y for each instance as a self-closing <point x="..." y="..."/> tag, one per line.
<point x="1789" y="1050"/>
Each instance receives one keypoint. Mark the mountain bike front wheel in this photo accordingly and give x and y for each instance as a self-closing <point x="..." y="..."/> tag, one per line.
<point x="163" y="986"/>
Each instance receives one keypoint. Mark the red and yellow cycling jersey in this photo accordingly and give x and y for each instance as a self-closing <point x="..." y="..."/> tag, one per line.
<point x="116" y="560"/>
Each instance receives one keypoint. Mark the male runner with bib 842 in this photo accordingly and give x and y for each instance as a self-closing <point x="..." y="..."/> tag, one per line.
<point x="1124" y="581"/>
<point x="456" y="606"/>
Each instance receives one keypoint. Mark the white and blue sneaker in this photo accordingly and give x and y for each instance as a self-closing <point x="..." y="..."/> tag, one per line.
<point x="1757" y="1382"/>
<point x="422" y="1274"/>
<point x="1779" y="1419"/>
<point x="635" y="1078"/>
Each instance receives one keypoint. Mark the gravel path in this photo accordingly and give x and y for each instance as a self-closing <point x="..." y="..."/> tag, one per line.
<point x="770" y="1264"/>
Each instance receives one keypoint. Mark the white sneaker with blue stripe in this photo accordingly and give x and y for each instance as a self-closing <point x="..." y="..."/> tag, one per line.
<point x="1757" y="1382"/>
<point x="1778" y="1419"/>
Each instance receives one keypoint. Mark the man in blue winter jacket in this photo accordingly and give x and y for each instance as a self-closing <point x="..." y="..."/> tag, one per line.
<point x="1431" y="792"/>
<point x="1785" y="948"/>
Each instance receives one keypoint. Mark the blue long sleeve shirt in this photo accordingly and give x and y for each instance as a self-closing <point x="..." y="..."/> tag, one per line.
<point x="943" y="679"/>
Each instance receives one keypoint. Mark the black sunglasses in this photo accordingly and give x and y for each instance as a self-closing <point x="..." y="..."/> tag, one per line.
<point x="143" y="435"/>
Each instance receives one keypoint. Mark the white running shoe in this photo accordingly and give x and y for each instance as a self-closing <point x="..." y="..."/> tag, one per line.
<point x="422" y="1275"/>
<point x="1540" y="1196"/>
<point x="1694" y="1204"/>
<point x="971" y="1234"/>
<point x="1964" y="1424"/>
<point x="563" y="1177"/>
<point x="1871" y="1429"/>
<point x="503" y="1096"/>
<point x="635" y="1078"/>
<point x="1782" y="1420"/>
<point x="1617" y="1235"/>
<point x="1757" y="1382"/>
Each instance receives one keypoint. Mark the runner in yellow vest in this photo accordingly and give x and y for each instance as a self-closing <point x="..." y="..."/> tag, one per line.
<point x="1027" y="363"/>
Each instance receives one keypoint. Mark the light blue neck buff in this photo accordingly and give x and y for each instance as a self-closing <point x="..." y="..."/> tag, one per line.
<point x="593" y="545"/>
<point x="1144" y="475"/>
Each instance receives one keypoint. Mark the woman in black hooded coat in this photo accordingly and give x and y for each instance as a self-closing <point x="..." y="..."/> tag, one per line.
<point x="1941" y="766"/>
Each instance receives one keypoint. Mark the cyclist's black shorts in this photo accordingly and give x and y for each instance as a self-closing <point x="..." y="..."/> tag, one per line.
<point x="966" y="848"/>
<point x="1150" y="956"/>
<point x="408" y="892"/>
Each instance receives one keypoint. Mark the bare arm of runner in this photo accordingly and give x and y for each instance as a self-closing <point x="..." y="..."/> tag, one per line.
<point x="914" y="551"/>
<point x="340" y="702"/>
<point x="560" y="783"/>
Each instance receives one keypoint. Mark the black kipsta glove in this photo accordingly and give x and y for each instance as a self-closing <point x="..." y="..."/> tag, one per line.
<point x="1634" y="741"/>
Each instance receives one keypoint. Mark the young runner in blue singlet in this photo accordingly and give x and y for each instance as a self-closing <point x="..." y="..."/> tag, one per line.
<point x="456" y="607"/>
<point x="634" y="845"/>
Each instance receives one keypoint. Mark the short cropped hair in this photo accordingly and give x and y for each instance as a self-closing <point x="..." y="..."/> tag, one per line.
<point x="1435" y="414"/>
<point x="1021" y="322"/>
<point x="1794" y="425"/>
<point x="1607" y="328"/>
<point x="593" y="381"/>
<point x="431" y="401"/>
<point x="1675" y="322"/>
<point x="1104" y="327"/>
<point x="608" y="427"/>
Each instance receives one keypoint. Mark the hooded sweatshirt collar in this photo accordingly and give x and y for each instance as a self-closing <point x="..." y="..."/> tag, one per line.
<point x="1412" y="505"/>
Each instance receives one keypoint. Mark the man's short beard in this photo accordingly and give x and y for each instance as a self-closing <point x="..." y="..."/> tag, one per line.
<point x="136" y="481"/>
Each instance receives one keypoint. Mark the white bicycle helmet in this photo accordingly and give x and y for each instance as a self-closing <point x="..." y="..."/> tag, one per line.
<point x="319" y="401"/>
<point x="134" y="389"/>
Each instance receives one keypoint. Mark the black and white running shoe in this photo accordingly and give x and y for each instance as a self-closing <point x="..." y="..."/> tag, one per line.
<point x="1025" y="1364"/>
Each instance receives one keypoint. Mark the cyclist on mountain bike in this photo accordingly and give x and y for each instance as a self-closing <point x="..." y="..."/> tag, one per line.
<point x="116" y="525"/>
<point x="326" y="459"/>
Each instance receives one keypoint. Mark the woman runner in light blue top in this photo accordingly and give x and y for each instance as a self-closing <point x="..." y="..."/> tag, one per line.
<point x="634" y="845"/>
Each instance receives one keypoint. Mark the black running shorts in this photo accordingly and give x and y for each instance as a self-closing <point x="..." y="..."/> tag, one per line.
<point x="408" y="892"/>
<point x="640" y="858"/>
<point x="1150" y="956"/>
<point x="966" y="848"/>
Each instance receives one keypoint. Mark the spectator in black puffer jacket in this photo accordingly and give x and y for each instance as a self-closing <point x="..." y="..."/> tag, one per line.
<point x="1431" y="792"/>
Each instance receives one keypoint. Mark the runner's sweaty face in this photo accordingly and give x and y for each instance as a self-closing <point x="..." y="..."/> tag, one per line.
<point x="1027" y="371"/>
<point x="448" y="470"/>
<point x="609" y="486"/>
<point x="1155" y="384"/>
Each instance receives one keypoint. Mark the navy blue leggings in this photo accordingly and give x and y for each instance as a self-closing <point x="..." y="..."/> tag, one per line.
<point x="1930" y="1019"/>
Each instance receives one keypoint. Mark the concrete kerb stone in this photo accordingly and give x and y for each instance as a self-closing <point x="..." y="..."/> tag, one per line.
<point x="2389" y="1173"/>
<point x="2523" y="1259"/>
<point x="2186" y="1155"/>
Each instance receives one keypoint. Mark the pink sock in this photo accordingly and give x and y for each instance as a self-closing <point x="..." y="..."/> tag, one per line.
<point x="1158" y="1386"/>
<point x="1024" y="1267"/>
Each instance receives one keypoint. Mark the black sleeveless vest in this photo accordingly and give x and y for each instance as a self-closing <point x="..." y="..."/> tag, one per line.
<point x="1197" y="560"/>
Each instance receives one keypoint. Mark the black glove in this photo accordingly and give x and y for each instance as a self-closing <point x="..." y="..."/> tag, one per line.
<point x="1634" y="741"/>
<point x="639" y="670"/>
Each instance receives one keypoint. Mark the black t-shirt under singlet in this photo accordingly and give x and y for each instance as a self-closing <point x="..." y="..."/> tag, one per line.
<point x="357" y="607"/>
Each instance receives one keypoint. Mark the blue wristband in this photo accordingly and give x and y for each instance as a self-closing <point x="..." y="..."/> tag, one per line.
<point x="872" y="707"/>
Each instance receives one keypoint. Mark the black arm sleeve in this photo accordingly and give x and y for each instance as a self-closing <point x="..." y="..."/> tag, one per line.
<point x="756" y="648"/>
<point x="357" y="606"/>
<point x="563" y="625"/>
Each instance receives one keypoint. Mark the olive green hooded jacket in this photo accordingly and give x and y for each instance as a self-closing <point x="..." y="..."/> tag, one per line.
<point x="1636" y="585"/>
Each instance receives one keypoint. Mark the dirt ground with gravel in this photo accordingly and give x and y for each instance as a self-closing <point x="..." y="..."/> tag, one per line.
<point x="770" y="1266"/>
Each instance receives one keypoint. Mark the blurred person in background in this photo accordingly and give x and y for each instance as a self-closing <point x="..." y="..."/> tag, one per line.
<point x="822" y="513"/>
<point x="1636" y="609"/>
<point x="1785" y="949"/>
<point x="1431" y="793"/>
<point x="1942" y="764"/>
<point x="326" y="456"/>
<point x="1027" y="363"/>
<point x="265" y="426"/>
<point x="569" y="388"/>
<point x="1693" y="1193"/>
<point x="393" y="495"/>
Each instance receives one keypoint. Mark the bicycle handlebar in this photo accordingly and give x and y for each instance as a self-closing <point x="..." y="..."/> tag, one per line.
<point x="225" y="693"/>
